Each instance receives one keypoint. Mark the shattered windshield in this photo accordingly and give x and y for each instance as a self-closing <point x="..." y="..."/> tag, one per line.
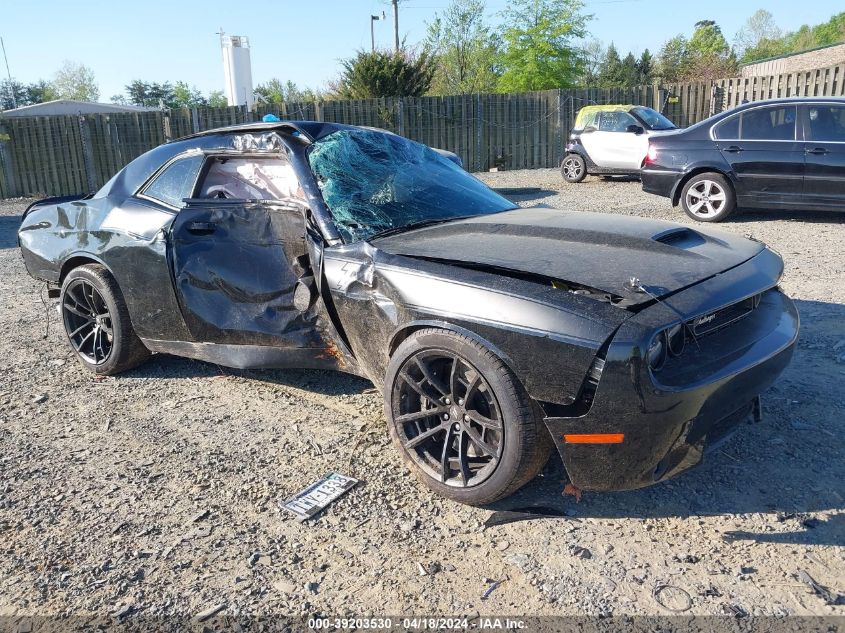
<point x="375" y="182"/>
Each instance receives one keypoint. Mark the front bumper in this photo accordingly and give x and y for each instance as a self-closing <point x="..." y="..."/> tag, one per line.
<point x="667" y="425"/>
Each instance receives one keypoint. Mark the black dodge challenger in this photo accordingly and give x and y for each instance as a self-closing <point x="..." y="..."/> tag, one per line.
<point x="496" y="333"/>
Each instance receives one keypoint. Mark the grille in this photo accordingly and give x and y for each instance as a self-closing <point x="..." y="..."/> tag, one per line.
<point x="712" y="321"/>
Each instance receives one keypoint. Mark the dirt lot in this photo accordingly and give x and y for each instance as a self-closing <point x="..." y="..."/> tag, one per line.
<point x="157" y="491"/>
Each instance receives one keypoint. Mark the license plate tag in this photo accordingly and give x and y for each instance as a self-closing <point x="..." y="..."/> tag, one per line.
<point x="307" y="503"/>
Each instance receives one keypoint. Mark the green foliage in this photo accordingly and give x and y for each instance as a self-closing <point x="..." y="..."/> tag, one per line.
<point x="539" y="51"/>
<point x="384" y="74"/>
<point x="151" y="95"/>
<point x="25" y="94"/>
<point x="593" y="55"/>
<point x="672" y="60"/>
<point x="75" y="81"/>
<point x="464" y="51"/>
<point x="708" y="41"/>
<point x="760" y="38"/>
<point x="706" y="55"/>
<point x="216" y="99"/>
<point x="645" y="68"/>
<point x="276" y="92"/>
<point x="154" y="95"/>
<point x="185" y="96"/>
<point x="610" y="73"/>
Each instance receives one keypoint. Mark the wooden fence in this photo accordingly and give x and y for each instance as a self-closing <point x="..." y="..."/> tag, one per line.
<point x="63" y="155"/>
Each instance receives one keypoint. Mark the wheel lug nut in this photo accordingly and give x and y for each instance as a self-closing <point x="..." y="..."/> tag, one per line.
<point x="457" y="427"/>
<point x="460" y="400"/>
<point x="445" y="416"/>
<point x="466" y="418"/>
<point x="447" y="401"/>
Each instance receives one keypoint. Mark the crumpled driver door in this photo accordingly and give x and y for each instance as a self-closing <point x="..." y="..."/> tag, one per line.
<point x="236" y="268"/>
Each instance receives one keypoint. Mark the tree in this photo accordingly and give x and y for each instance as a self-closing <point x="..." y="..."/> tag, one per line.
<point x="672" y="60"/>
<point x="539" y="50"/>
<point x="707" y="40"/>
<point x="185" y="96"/>
<point x="465" y="53"/>
<point x="610" y="74"/>
<point x="40" y="91"/>
<point x="708" y="54"/>
<point x="758" y="34"/>
<point x="593" y="55"/>
<point x="216" y="99"/>
<point x="384" y="74"/>
<point x="12" y="94"/>
<point x="151" y="95"/>
<point x="276" y="92"/>
<point x="76" y="81"/>
<point x="630" y="75"/>
<point x="15" y="94"/>
<point x="645" y="68"/>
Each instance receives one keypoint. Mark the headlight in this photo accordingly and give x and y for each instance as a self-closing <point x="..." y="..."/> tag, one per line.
<point x="675" y="338"/>
<point x="656" y="354"/>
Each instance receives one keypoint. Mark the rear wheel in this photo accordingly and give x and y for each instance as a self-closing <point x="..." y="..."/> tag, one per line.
<point x="97" y="322"/>
<point x="573" y="168"/>
<point x="462" y="422"/>
<point x="708" y="197"/>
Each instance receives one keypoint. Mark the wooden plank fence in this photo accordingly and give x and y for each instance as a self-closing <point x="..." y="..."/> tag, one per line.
<point x="63" y="155"/>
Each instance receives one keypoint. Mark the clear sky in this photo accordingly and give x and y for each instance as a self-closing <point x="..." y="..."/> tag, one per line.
<point x="172" y="40"/>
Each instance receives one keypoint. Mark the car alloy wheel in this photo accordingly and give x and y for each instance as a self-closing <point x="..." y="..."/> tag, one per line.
<point x="573" y="168"/>
<point x="87" y="321"/>
<point x="447" y="418"/>
<point x="706" y="199"/>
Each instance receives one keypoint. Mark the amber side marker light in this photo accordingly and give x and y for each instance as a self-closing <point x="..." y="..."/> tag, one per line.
<point x="595" y="438"/>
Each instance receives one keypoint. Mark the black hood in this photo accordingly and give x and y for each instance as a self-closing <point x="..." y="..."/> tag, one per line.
<point x="596" y="250"/>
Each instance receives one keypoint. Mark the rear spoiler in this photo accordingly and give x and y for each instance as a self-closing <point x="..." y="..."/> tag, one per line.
<point x="56" y="200"/>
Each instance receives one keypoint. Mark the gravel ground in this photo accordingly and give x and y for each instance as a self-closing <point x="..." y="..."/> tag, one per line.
<point x="156" y="492"/>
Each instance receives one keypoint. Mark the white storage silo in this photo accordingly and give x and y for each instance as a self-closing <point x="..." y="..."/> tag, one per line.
<point x="237" y="69"/>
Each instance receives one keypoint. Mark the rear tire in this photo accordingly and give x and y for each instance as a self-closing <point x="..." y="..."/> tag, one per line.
<point x="573" y="168"/>
<point x="708" y="197"/>
<point x="484" y="427"/>
<point x="97" y="322"/>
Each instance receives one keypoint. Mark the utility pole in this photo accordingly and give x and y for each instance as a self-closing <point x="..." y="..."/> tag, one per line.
<point x="395" y="26"/>
<point x="9" y="73"/>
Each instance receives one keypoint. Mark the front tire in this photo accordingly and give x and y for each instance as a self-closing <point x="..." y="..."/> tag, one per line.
<point x="708" y="197"/>
<point x="97" y="322"/>
<point x="573" y="168"/>
<point x="462" y="422"/>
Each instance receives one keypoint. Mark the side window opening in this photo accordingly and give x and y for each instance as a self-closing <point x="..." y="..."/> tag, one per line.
<point x="176" y="182"/>
<point x="728" y="129"/>
<point x="826" y="123"/>
<point x="249" y="178"/>
<point x="769" y="124"/>
<point x="616" y="121"/>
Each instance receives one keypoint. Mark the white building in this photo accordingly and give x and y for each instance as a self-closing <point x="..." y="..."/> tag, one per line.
<point x="237" y="70"/>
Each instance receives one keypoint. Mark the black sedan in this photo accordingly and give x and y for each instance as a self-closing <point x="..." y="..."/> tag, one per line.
<point x="496" y="333"/>
<point x="777" y="154"/>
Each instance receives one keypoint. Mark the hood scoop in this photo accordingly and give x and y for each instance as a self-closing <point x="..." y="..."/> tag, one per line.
<point x="681" y="237"/>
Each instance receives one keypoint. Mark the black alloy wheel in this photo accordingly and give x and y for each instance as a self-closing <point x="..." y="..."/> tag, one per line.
<point x="447" y="418"/>
<point x="88" y="322"/>
<point x="97" y="321"/>
<point x="463" y="423"/>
